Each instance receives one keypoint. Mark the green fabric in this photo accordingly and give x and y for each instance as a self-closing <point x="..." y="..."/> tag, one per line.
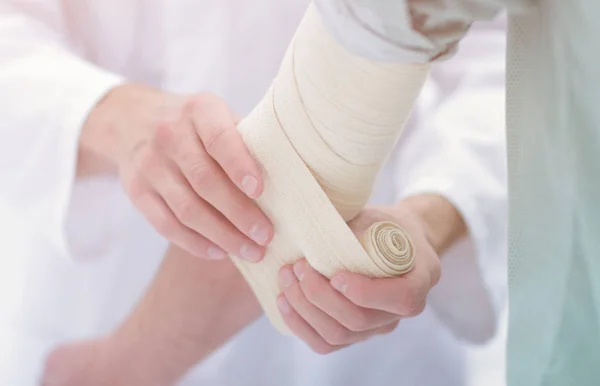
<point x="553" y="119"/>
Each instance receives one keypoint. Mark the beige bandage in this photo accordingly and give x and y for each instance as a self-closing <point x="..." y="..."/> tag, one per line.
<point x="322" y="133"/>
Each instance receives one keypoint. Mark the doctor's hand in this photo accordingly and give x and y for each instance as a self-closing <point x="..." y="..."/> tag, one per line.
<point x="331" y="314"/>
<point x="184" y="166"/>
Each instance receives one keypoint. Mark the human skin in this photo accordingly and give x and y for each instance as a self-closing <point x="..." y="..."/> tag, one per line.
<point x="193" y="306"/>
<point x="183" y="165"/>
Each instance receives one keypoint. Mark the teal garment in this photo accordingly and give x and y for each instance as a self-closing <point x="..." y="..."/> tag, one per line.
<point x="553" y="139"/>
<point x="553" y="120"/>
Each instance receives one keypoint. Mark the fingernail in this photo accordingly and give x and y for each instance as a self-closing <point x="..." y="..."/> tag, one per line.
<point x="215" y="253"/>
<point x="250" y="252"/>
<point x="260" y="234"/>
<point x="283" y="305"/>
<point x="299" y="269"/>
<point x="339" y="283"/>
<point x="249" y="185"/>
<point x="286" y="277"/>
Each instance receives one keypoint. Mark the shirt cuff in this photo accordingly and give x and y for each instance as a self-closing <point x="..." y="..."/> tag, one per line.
<point x="90" y="85"/>
<point x="472" y="290"/>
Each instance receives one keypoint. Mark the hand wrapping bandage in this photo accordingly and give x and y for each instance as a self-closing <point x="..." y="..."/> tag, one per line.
<point x="322" y="133"/>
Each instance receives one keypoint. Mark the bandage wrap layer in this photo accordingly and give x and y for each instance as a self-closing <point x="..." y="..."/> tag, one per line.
<point x="322" y="133"/>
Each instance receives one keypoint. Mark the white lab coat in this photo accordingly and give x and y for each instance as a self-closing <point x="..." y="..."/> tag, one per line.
<point x="76" y="255"/>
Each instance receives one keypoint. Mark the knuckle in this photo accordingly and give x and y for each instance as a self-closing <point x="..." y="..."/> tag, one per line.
<point x="358" y="323"/>
<point x="198" y="102"/>
<point x="311" y="291"/>
<point x="135" y="188"/>
<point x="389" y="328"/>
<point x="410" y="301"/>
<point x="184" y="210"/>
<point x="213" y="135"/>
<point x="418" y="310"/>
<point x="202" y="105"/>
<point x="202" y="174"/>
<point x="338" y="336"/>
<point x="165" y="225"/>
<point x="193" y="104"/>
<point x="164" y="134"/>
<point x="436" y="274"/>
<point x="323" y="349"/>
<point x="146" y="159"/>
<point x="358" y="293"/>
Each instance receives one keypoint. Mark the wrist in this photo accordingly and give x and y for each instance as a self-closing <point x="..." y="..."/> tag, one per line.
<point x="140" y="353"/>
<point x="115" y="120"/>
<point x="129" y="360"/>
<point x="442" y="223"/>
<point x="169" y="332"/>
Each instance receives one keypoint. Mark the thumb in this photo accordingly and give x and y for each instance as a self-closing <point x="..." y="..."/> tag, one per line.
<point x="359" y="224"/>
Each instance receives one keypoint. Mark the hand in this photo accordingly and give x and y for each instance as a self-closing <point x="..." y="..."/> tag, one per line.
<point x="185" y="167"/>
<point x="191" y="308"/>
<point x="79" y="364"/>
<point x="96" y="362"/>
<point x="349" y="308"/>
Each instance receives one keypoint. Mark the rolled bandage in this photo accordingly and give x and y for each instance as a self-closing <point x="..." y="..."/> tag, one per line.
<point x="390" y="248"/>
<point x="322" y="133"/>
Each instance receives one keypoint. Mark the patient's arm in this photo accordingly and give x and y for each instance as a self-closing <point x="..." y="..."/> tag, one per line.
<point x="163" y="330"/>
<point x="191" y="308"/>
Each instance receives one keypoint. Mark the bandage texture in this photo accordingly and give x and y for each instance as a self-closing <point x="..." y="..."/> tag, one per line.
<point x="322" y="133"/>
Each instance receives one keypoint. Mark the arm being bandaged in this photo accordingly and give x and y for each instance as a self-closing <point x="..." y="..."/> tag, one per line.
<point x="322" y="132"/>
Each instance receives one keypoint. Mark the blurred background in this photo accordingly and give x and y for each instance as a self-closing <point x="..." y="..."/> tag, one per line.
<point x="85" y="83"/>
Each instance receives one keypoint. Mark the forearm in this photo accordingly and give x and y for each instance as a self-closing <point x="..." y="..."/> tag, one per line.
<point x="191" y="308"/>
<point x="442" y="222"/>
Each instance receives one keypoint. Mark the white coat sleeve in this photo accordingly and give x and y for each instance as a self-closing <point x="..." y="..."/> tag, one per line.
<point x="46" y="92"/>
<point x="458" y="151"/>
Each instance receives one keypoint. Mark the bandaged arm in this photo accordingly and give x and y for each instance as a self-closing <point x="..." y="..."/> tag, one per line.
<point x="335" y="112"/>
<point x="423" y="31"/>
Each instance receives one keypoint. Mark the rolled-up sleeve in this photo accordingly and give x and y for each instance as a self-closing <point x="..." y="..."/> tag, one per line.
<point x="407" y="30"/>
<point x="458" y="151"/>
<point x="47" y="92"/>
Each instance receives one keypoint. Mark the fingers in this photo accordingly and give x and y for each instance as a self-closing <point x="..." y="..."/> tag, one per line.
<point x="161" y="217"/>
<point x="326" y="327"/>
<point x="192" y="213"/>
<point x="404" y="296"/>
<point x="318" y="291"/>
<point x="210" y="182"/>
<point x="198" y="168"/>
<point x="327" y="318"/>
<point x="330" y="330"/>
<point x="156" y="211"/>
<point x="384" y="330"/>
<point x="302" y="329"/>
<point x="217" y="129"/>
